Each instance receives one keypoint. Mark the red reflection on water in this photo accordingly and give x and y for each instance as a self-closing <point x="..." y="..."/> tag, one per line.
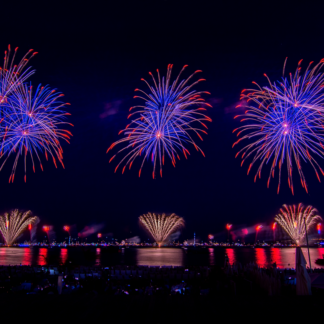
<point x="64" y="255"/>
<point x="231" y="255"/>
<point x="260" y="257"/>
<point x="42" y="256"/>
<point x="276" y="256"/>
<point x="27" y="257"/>
<point x="320" y="252"/>
<point x="211" y="256"/>
<point x="3" y="256"/>
<point x="315" y="254"/>
<point x="98" y="251"/>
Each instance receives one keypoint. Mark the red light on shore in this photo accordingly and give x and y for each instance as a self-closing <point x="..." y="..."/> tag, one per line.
<point x="66" y="228"/>
<point x="45" y="228"/>
<point x="319" y="227"/>
<point x="29" y="226"/>
<point x="274" y="225"/>
<point x="228" y="226"/>
<point x="258" y="227"/>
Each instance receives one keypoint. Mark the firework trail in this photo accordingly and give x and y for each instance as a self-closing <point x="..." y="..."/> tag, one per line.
<point x="284" y="122"/>
<point x="170" y="115"/>
<point x="12" y="76"/>
<point x="161" y="226"/>
<point x="32" y="126"/>
<point x="292" y="219"/>
<point x="13" y="224"/>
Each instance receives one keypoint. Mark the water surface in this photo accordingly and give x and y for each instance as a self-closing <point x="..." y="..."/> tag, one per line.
<point x="284" y="257"/>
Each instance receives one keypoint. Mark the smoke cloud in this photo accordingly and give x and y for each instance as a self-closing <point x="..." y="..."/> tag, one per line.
<point x="92" y="229"/>
<point x="135" y="239"/>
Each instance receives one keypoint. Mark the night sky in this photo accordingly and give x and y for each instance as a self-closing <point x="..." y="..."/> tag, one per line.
<point x="97" y="52"/>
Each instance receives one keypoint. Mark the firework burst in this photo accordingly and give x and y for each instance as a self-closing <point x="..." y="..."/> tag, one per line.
<point x="172" y="112"/>
<point x="284" y="122"/>
<point x="293" y="218"/>
<point x="13" y="224"/>
<point x="161" y="226"/>
<point x="32" y="125"/>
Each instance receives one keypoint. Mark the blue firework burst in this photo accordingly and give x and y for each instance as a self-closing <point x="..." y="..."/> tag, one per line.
<point x="284" y="123"/>
<point x="172" y="114"/>
<point x="31" y="125"/>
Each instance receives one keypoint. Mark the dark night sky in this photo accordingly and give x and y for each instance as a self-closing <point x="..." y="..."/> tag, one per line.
<point x="97" y="52"/>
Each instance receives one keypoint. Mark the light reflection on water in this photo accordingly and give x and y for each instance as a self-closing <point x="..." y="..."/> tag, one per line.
<point x="284" y="257"/>
<point x="42" y="256"/>
<point x="159" y="257"/>
<point x="261" y="257"/>
<point x="98" y="252"/>
<point x="64" y="255"/>
<point x="27" y="258"/>
<point x="14" y="256"/>
<point x="211" y="256"/>
<point x="230" y="253"/>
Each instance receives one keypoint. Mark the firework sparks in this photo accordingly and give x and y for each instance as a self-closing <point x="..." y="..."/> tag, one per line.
<point x="285" y="123"/>
<point x="13" y="224"/>
<point x="33" y="126"/>
<point x="293" y="218"/>
<point x="171" y="114"/>
<point x="228" y="226"/>
<point x="66" y="228"/>
<point x="161" y="226"/>
<point x="12" y="76"/>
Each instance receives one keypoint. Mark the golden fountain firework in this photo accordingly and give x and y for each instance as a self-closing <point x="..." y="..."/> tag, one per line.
<point x="161" y="226"/>
<point x="293" y="218"/>
<point x="13" y="224"/>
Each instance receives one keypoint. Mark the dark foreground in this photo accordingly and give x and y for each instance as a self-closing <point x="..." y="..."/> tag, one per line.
<point x="235" y="280"/>
<point x="135" y="294"/>
<point x="195" y="281"/>
<point x="157" y="309"/>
